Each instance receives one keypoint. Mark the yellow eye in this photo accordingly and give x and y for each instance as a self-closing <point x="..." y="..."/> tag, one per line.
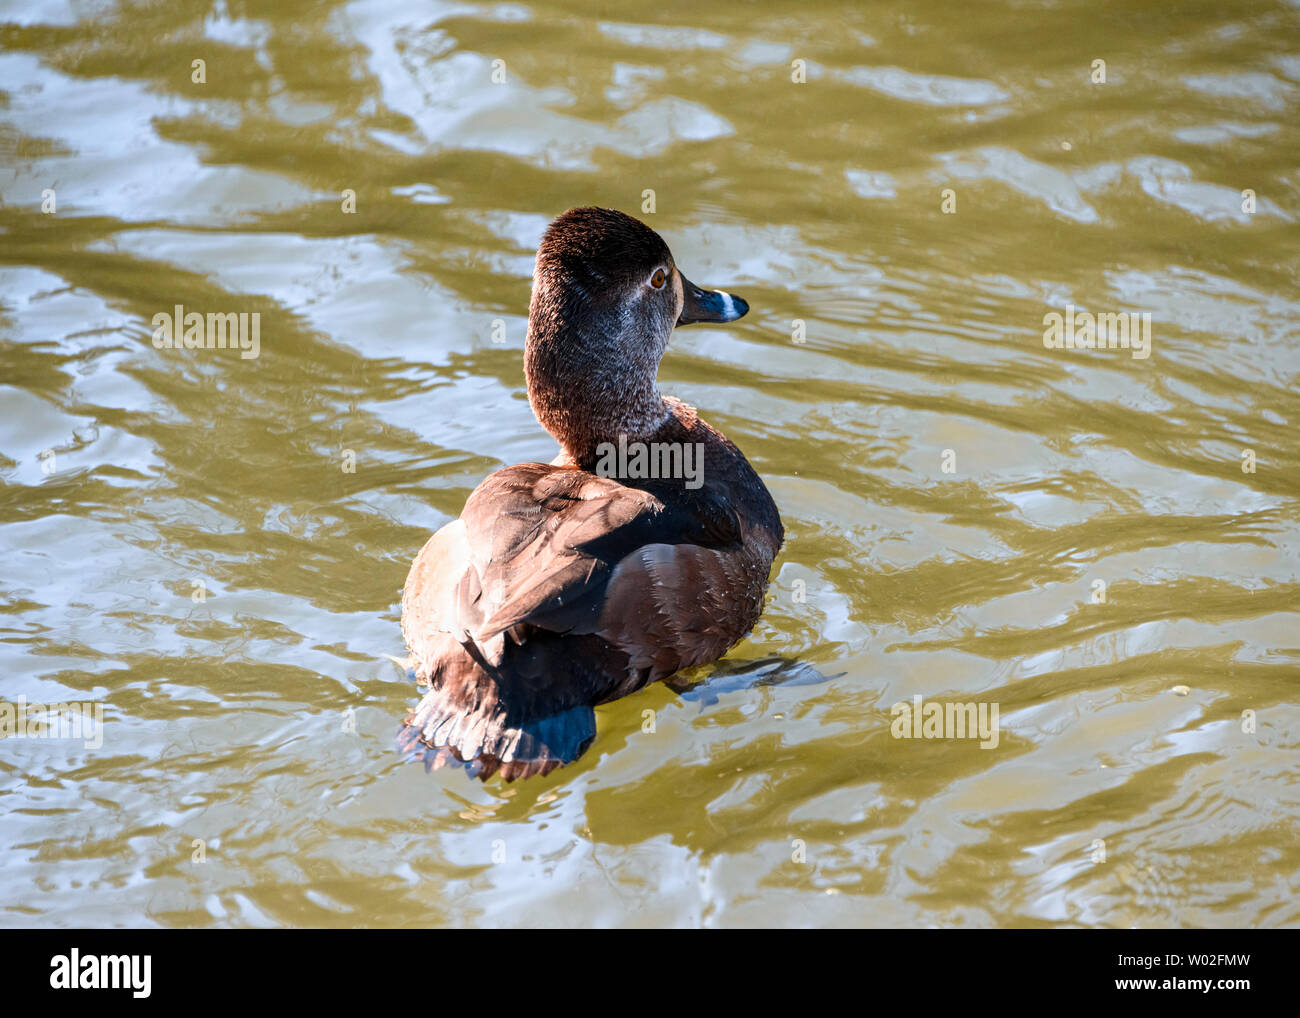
<point x="658" y="279"/>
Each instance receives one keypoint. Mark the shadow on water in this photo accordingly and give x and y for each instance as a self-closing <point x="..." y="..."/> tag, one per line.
<point x="730" y="676"/>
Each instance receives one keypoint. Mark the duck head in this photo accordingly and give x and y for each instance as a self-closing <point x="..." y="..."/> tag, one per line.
<point x="606" y="298"/>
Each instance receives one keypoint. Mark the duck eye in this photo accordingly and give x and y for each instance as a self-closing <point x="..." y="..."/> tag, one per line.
<point x="658" y="279"/>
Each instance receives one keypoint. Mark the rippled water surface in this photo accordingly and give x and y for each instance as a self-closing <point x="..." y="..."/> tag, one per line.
<point x="1103" y="546"/>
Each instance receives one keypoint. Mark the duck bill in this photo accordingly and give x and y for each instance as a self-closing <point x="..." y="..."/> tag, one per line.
<point x="708" y="305"/>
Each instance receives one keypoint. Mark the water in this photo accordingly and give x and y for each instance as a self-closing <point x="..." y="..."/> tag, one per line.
<point x="1104" y="546"/>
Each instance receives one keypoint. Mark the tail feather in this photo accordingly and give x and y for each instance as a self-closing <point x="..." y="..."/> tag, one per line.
<point x="525" y="707"/>
<point x="441" y="733"/>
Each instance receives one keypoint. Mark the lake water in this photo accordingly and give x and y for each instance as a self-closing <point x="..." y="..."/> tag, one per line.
<point x="1105" y="546"/>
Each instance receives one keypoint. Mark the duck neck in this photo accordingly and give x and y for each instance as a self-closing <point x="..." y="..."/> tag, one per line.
<point x="585" y="411"/>
<point x="585" y="395"/>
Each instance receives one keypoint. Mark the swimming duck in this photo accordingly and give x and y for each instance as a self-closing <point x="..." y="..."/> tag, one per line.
<point x="570" y="584"/>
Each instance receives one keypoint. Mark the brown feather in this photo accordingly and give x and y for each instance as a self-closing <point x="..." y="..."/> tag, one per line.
<point x="557" y="590"/>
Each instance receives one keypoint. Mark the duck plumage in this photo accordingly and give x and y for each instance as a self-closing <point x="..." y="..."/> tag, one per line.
<point x="559" y="589"/>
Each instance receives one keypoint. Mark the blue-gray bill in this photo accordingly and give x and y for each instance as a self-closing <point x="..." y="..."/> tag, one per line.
<point x="709" y="305"/>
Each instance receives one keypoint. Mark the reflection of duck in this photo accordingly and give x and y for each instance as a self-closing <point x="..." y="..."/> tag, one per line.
<point x="561" y="586"/>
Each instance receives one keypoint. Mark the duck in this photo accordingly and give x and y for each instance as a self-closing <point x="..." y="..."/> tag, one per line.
<point x="642" y="549"/>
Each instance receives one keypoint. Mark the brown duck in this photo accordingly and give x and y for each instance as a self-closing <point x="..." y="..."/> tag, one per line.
<point x="642" y="549"/>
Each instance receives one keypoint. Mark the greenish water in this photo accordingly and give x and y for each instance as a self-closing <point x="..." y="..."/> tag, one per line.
<point x="212" y="547"/>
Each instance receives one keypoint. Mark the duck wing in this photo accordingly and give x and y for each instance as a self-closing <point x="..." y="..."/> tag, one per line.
<point x="503" y="612"/>
<point x="537" y="544"/>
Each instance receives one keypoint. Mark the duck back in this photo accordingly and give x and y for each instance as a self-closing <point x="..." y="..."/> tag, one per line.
<point x="558" y="589"/>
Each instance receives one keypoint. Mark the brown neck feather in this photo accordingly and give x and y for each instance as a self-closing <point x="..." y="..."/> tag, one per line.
<point x="588" y="383"/>
<point x="582" y="410"/>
